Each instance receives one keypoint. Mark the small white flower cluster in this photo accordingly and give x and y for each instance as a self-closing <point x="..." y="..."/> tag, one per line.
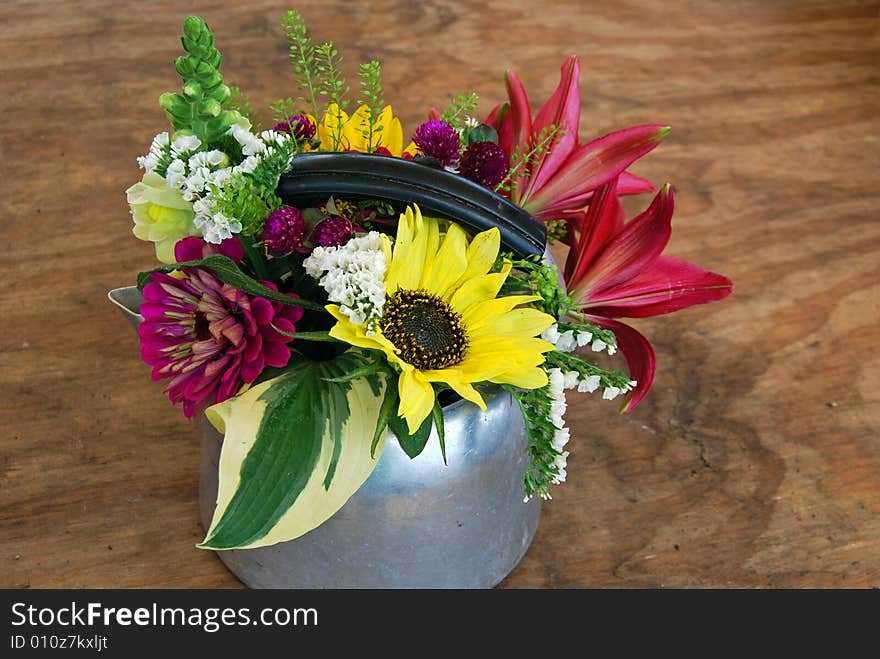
<point x="561" y="435"/>
<point x="215" y="226"/>
<point x="353" y="276"/>
<point x="196" y="173"/>
<point x="591" y="383"/>
<point x="570" y="339"/>
<point x="158" y="149"/>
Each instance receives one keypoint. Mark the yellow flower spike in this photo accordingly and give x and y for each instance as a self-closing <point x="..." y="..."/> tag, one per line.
<point x="442" y="321"/>
<point x="391" y="135"/>
<point x="331" y="131"/>
<point x="340" y="132"/>
<point x="357" y="130"/>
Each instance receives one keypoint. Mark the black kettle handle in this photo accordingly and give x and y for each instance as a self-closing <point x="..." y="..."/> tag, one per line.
<point x="314" y="177"/>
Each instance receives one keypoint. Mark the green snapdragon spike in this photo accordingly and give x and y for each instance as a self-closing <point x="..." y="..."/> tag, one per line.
<point x="199" y="109"/>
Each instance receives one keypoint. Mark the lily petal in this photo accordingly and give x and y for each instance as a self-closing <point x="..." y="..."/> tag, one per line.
<point x="629" y="184"/>
<point x="640" y="358"/>
<point x="520" y="111"/>
<point x="632" y="250"/>
<point x="604" y="218"/>
<point x="669" y="284"/>
<point x="593" y="164"/>
<point x="501" y="120"/>
<point x="563" y="110"/>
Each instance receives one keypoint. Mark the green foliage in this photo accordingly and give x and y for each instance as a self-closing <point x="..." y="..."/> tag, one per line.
<point x="532" y="276"/>
<point x="567" y="361"/>
<point x="199" y="109"/>
<point x="296" y="441"/>
<point x="481" y="133"/>
<point x="238" y="102"/>
<point x="164" y="160"/>
<point x="556" y="230"/>
<point x="458" y="110"/>
<point x="283" y="109"/>
<point x="372" y="96"/>
<point x="228" y="272"/>
<point x="248" y="203"/>
<point x="412" y="444"/>
<point x="333" y="87"/>
<point x="535" y="405"/>
<point x="521" y="160"/>
<point x="302" y="58"/>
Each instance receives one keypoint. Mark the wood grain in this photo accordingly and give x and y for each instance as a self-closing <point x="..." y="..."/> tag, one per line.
<point x="755" y="461"/>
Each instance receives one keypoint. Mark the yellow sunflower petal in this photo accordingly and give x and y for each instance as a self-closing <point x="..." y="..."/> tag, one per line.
<point x="525" y="378"/>
<point x="445" y="269"/>
<point x="484" y="287"/>
<point x="491" y="356"/>
<point x="401" y="252"/>
<point x="345" y="330"/>
<point x="467" y="392"/>
<point x="416" y="398"/>
<point x="518" y="322"/>
<point x="408" y="261"/>
<point x="475" y="315"/>
<point x="481" y="253"/>
<point x="391" y="135"/>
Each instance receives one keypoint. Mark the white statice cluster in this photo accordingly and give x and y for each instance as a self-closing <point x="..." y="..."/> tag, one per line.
<point x="158" y="149"/>
<point x="558" y="405"/>
<point x="353" y="276"/>
<point x="559" y="382"/>
<point x="215" y="226"/>
<point x="196" y="174"/>
<point x="570" y="339"/>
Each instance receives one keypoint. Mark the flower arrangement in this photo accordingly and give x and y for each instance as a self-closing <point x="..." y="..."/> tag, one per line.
<point x="308" y="333"/>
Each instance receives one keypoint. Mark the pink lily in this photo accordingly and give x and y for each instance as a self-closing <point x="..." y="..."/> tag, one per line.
<point x="563" y="177"/>
<point x="615" y="270"/>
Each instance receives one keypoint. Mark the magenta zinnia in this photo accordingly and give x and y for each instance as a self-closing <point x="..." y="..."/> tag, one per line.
<point x="210" y="338"/>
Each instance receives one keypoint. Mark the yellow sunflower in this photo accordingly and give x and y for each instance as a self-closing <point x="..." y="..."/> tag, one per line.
<point x="339" y="132"/>
<point x="442" y="321"/>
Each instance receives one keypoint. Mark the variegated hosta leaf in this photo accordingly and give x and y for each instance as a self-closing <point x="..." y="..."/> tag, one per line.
<point x="296" y="447"/>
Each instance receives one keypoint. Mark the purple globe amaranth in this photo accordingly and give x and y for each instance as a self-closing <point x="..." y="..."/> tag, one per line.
<point x="299" y="126"/>
<point x="332" y="232"/>
<point x="438" y="140"/>
<point x="284" y="231"/>
<point x="485" y="163"/>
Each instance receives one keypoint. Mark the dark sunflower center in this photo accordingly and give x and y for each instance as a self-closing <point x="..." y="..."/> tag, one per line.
<point x="424" y="328"/>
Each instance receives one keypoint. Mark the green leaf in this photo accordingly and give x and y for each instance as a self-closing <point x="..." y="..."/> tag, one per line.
<point x="482" y="133"/>
<point x="378" y="366"/>
<point x="226" y="271"/>
<point x="295" y="449"/>
<point x="413" y="444"/>
<point x="389" y="405"/>
<point x="437" y="413"/>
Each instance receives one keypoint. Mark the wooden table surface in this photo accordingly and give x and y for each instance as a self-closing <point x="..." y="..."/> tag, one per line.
<point x="755" y="461"/>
